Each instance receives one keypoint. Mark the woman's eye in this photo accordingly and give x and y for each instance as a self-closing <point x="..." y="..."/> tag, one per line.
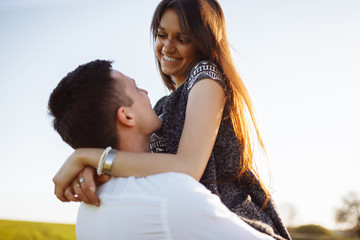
<point x="161" y="35"/>
<point x="184" y="40"/>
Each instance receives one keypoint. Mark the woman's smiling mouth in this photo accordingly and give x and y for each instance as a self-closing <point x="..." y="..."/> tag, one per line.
<point x="170" y="59"/>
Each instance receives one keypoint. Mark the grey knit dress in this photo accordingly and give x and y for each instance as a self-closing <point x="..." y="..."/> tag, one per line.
<point x="243" y="196"/>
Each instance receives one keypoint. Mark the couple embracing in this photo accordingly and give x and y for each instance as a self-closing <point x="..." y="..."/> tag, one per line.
<point x="183" y="170"/>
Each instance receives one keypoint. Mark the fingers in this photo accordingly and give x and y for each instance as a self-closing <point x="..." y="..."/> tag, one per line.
<point x="68" y="171"/>
<point x="59" y="192"/>
<point x="82" y="188"/>
<point x="77" y="186"/>
<point x="70" y="194"/>
<point x="102" y="179"/>
<point x="89" y="179"/>
<point x="88" y="186"/>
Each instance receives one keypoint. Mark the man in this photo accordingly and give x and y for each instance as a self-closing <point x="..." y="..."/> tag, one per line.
<point x="96" y="106"/>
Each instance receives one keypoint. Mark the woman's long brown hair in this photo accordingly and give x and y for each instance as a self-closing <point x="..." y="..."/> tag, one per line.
<point x="204" y="22"/>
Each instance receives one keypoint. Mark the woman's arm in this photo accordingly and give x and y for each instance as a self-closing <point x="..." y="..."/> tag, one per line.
<point x="203" y="116"/>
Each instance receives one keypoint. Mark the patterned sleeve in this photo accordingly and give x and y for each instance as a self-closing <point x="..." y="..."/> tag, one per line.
<point x="205" y="70"/>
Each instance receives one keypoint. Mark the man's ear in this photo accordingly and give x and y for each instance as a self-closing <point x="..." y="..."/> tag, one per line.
<point x="124" y="116"/>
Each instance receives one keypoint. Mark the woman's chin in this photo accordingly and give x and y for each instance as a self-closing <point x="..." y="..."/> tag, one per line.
<point x="167" y="71"/>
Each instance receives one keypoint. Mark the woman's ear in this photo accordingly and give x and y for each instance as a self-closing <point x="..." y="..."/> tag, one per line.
<point x="124" y="117"/>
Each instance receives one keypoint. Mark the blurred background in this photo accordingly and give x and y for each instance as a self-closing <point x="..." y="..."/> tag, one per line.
<point x="300" y="60"/>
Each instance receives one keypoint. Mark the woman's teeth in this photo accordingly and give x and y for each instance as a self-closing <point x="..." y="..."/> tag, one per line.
<point x="169" y="59"/>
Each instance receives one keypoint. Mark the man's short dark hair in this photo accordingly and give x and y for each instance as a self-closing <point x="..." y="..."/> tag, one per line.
<point x="84" y="106"/>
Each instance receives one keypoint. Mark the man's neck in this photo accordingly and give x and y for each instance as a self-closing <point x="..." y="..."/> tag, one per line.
<point x="134" y="143"/>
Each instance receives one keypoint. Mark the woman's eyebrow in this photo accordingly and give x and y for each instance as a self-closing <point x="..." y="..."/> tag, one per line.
<point x="179" y="33"/>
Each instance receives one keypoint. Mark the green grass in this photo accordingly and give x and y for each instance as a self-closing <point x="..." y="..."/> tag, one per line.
<point x="316" y="232"/>
<point x="21" y="230"/>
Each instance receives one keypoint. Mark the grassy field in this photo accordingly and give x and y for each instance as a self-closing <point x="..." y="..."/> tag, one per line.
<point x="316" y="232"/>
<point x="19" y="230"/>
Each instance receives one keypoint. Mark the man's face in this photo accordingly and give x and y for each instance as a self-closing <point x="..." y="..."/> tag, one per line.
<point x="145" y="117"/>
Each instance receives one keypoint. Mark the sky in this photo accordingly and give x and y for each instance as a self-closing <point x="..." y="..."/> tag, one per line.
<point x="300" y="60"/>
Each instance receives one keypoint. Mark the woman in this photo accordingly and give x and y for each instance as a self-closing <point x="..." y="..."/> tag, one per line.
<point x="205" y="132"/>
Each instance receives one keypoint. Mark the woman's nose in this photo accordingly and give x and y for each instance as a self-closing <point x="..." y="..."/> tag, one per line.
<point x="168" y="47"/>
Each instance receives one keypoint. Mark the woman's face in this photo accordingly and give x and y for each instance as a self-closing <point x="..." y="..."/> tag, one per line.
<point x="173" y="48"/>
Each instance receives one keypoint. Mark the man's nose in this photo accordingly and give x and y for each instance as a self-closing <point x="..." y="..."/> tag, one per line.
<point x="146" y="92"/>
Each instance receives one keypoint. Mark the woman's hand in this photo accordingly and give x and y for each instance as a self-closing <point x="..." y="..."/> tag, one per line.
<point x="83" y="187"/>
<point x="72" y="167"/>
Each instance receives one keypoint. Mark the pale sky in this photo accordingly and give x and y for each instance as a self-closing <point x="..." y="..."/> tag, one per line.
<point x="300" y="60"/>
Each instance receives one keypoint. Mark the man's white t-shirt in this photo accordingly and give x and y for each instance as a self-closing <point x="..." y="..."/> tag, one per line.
<point x="162" y="206"/>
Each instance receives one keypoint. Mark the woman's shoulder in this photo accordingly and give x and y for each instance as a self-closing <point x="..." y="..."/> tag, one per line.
<point x="205" y="69"/>
<point x="205" y="62"/>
